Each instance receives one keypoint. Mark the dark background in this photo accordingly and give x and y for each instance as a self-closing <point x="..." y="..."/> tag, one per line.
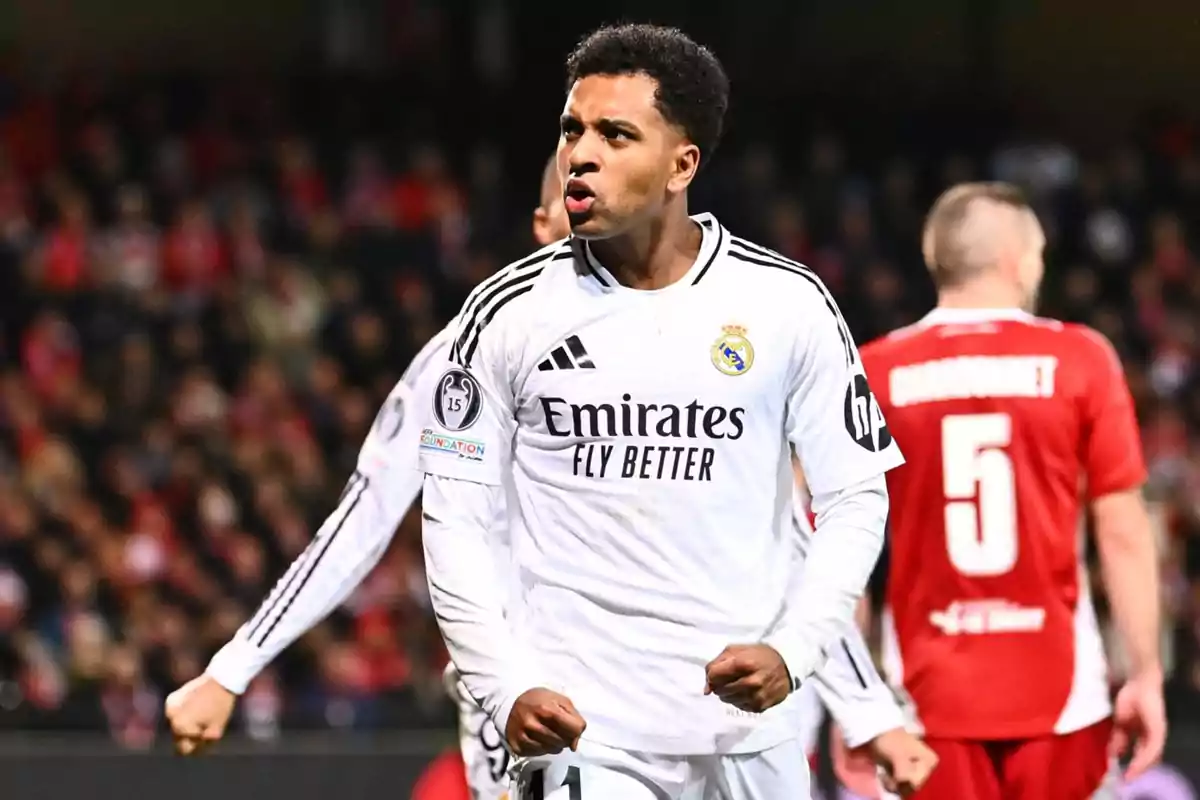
<point x="225" y="227"/>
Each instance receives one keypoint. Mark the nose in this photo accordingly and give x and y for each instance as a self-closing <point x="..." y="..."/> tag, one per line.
<point x="584" y="156"/>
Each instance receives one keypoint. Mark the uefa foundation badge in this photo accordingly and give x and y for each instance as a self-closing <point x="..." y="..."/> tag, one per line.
<point x="732" y="354"/>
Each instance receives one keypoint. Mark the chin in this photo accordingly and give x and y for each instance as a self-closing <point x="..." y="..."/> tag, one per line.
<point x="587" y="227"/>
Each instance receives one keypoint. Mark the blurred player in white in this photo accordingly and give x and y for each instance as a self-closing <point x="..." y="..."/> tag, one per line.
<point x="632" y="397"/>
<point x="346" y="548"/>
<point x="1013" y="426"/>
<point x="357" y="534"/>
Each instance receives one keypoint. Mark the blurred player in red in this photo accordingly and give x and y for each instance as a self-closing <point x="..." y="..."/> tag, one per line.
<point x="1014" y="426"/>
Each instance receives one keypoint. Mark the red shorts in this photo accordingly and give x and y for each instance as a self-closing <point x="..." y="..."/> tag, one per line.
<point x="1067" y="767"/>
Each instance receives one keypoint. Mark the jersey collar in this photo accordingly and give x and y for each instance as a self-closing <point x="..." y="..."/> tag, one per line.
<point x="715" y="241"/>
<point x="968" y="316"/>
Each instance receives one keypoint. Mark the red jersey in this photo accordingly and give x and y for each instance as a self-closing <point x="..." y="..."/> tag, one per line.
<point x="1009" y="423"/>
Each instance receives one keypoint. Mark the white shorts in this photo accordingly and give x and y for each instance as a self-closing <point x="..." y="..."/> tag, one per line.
<point x="596" y="772"/>
<point x="484" y="754"/>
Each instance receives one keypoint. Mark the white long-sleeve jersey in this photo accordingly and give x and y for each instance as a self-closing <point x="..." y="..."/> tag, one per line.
<point x="848" y="685"/>
<point x="353" y="538"/>
<point x="641" y="441"/>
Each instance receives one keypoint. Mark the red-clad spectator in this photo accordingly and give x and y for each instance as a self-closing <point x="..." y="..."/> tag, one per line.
<point x="382" y="651"/>
<point x="424" y="192"/>
<point x="50" y="353"/>
<point x="65" y="252"/>
<point x="367" y="199"/>
<point x="193" y="259"/>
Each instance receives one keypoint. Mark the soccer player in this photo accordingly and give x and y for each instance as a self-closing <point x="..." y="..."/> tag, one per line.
<point x="632" y="396"/>
<point x="357" y="534"/>
<point x="1014" y="425"/>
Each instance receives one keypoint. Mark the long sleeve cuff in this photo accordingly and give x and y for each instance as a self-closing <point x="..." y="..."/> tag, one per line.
<point x="236" y="664"/>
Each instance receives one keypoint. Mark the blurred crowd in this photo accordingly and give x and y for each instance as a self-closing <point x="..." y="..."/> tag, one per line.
<point x="203" y="300"/>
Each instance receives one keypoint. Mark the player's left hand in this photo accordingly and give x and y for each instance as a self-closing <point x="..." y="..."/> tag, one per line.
<point x="906" y="761"/>
<point x="903" y="759"/>
<point x="751" y="677"/>
<point x="1140" y="719"/>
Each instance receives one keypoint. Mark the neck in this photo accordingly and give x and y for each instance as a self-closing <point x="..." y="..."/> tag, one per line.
<point x="653" y="255"/>
<point x="980" y="295"/>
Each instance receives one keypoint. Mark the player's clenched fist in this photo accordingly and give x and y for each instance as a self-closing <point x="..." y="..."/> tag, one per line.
<point x="896" y="758"/>
<point x="751" y="677"/>
<point x="543" y="722"/>
<point x="198" y="712"/>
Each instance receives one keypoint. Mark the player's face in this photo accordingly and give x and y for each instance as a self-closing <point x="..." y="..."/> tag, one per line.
<point x="619" y="159"/>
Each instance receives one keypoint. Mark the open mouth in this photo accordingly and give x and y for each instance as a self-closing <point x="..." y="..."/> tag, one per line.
<point x="577" y="197"/>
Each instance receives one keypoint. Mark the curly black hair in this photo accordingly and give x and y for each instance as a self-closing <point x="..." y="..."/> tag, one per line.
<point x="693" y="90"/>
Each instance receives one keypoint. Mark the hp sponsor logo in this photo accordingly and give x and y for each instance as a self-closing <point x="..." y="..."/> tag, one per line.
<point x="864" y="420"/>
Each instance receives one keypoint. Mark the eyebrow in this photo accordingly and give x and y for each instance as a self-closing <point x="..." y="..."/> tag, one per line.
<point x="615" y="122"/>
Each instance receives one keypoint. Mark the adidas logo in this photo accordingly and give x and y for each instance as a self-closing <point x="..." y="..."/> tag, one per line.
<point x="568" y="355"/>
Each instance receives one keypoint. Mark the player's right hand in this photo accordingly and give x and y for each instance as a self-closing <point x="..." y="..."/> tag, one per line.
<point x="198" y="712"/>
<point x="543" y="722"/>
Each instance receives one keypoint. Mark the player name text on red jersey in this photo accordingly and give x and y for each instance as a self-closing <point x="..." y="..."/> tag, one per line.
<point x="964" y="377"/>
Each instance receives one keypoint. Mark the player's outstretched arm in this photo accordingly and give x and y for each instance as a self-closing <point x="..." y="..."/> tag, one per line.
<point x="344" y="551"/>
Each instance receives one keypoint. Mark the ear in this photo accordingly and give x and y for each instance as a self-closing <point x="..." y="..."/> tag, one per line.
<point x="687" y="162"/>
<point x="541" y="225"/>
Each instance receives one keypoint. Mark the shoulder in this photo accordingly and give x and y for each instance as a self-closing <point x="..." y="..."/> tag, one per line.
<point x="432" y="356"/>
<point x="894" y="343"/>
<point x="498" y="299"/>
<point x="765" y="272"/>
<point x="1090" y="347"/>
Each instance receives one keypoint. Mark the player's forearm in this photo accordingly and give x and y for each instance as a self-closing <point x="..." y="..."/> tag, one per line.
<point x="345" y="549"/>
<point x="848" y="540"/>
<point x="850" y="687"/>
<point x="1129" y="563"/>
<point x="467" y="597"/>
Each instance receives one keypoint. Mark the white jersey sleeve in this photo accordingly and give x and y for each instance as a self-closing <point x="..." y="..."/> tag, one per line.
<point x="844" y="447"/>
<point x="466" y="446"/>
<point x="848" y="683"/>
<point x="352" y="539"/>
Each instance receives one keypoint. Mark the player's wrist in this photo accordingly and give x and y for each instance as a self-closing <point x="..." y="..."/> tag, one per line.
<point x="235" y="665"/>
<point x="878" y="725"/>
<point x="1150" y="673"/>
<point x="799" y="659"/>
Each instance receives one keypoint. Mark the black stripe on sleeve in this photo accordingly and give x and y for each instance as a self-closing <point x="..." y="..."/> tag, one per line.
<point x="475" y="324"/>
<point x="473" y="342"/>
<point x="487" y="290"/>
<point x="484" y="323"/>
<point x="806" y="274"/>
<point x="858" y="673"/>
<point x="355" y="489"/>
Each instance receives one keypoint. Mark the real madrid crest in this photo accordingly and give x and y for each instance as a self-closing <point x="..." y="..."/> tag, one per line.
<point x="732" y="352"/>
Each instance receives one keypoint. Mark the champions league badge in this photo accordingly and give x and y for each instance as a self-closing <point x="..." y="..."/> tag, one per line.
<point x="457" y="401"/>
